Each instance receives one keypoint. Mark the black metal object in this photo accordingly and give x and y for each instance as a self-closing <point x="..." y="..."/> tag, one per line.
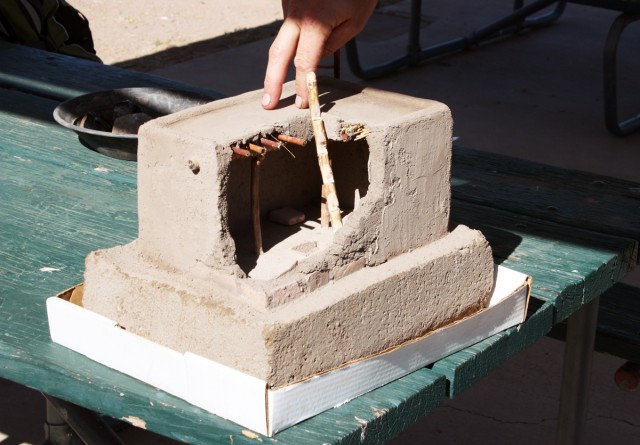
<point x="609" y="325"/>
<point x="82" y="425"/>
<point x="57" y="431"/>
<point x="614" y="125"/>
<point x="576" y="375"/>
<point x="617" y="331"/>
<point x="154" y="102"/>
<point x="520" y="19"/>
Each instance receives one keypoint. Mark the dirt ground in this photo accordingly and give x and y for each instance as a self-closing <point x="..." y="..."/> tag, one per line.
<point x="146" y="35"/>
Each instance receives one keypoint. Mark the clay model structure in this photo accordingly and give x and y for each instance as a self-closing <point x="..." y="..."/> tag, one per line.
<point x="268" y="250"/>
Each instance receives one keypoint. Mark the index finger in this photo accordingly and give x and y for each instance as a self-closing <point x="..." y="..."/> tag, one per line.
<point x="311" y="49"/>
<point x="280" y="54"/>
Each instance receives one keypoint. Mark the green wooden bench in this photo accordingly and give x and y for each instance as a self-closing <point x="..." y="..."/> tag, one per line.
<point x="59" y="201"/>
<point x="579" y="200"/>
<point x="618" y="325"/>
<point x="618" y="331"/>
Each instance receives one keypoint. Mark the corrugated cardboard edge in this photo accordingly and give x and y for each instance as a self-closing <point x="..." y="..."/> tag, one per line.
<point x="247" y="400"/>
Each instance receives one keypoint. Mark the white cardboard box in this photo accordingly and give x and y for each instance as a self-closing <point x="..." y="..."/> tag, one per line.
<point x="249" y="401"/>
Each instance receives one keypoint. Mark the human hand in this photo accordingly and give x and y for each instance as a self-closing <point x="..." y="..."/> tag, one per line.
<point x="312" y="29"/>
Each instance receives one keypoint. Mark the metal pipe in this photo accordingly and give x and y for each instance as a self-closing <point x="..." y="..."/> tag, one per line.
<point x="88" y="425"/>
<point x="56" y="430"/>
<point x="610" y="78"/>
<point x="576" y="374"/>
<point x="514" y="22"/>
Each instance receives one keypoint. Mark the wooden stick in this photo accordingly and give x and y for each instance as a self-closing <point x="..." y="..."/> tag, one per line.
<point x="269" y="144"/>
<point x="324" y="209"/>
<point x="241" y="152"/>
<point x="255" y="204"/>
<point x="323" y="154"/>
<point x="260" y="151"/>
<point x="292" y="140"/>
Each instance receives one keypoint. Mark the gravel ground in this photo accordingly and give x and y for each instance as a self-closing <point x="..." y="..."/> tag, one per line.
<point x="146" y="35"/>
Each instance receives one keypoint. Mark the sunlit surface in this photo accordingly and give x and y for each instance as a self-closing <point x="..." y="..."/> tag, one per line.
<point x="4" y="437"/>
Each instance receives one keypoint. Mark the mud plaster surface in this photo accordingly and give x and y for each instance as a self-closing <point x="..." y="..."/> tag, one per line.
<point x="364" y="313"/>
<point x="390" y="274"/>
<point x="188" y="220"/>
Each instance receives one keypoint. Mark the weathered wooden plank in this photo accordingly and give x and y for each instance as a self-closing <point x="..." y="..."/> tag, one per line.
<point x="62" y="77"/>
<point x="69" y="376"/>
<point x="375" y="417"/>
<point x="619" y="313"/>
<point x="58" y="200"/>
<point x="577" y="199"/>
<point x="539" y="317"/>
<point x="618" y="328"/>
<point x="569" y="266"/>
<point x="33" y="361"/>
<point x="465" y="368"/>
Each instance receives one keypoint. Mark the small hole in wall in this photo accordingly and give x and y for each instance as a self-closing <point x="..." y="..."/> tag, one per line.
<point x="291" y="178"/>
<point x="194" y="166"/>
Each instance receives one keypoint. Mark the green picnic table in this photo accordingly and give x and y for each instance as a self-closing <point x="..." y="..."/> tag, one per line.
<point x="576" y="234"/>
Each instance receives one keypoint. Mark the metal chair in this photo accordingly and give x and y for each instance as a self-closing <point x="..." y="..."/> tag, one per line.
<point x="522" y="17"/>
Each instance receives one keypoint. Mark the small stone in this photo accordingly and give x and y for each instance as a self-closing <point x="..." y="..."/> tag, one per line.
<point x="286" y="216"/>
<point x="130" y="124"/>
<point x="93" y="121"/>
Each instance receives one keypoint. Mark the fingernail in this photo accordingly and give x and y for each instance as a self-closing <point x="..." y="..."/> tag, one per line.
<point x="266" y="100"/>
<point x="298" y="102"/>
